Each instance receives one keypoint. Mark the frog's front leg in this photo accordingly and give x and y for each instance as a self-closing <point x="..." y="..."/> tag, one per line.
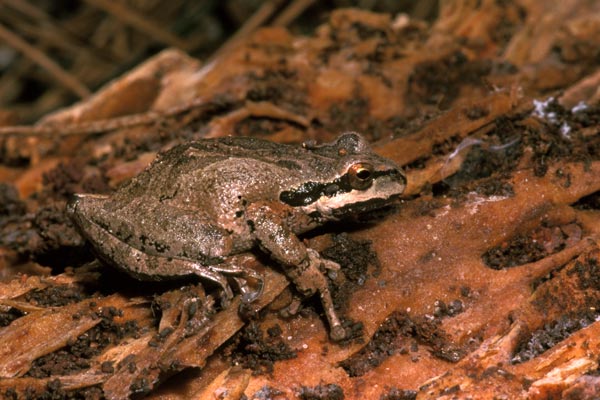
<point x="301" y="264"/>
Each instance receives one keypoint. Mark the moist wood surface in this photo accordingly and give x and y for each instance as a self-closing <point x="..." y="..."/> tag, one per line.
<point x="483" y="283"/>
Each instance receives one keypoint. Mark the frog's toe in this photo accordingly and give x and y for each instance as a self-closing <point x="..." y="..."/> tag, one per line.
<point x="249" y="294"/>
<point x="330" y="265"/>
<point x="321" y="262"/>
<point x="337" y="333"/>
<point x="213" y="274"/>
<point x="291" y="309"/>
<point x="226" y="292"/>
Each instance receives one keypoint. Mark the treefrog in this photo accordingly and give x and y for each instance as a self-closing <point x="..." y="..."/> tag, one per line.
<point x="200" y="206"/>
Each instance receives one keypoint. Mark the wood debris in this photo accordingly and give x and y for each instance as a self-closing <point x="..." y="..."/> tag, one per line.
<point x="483" y="283"/>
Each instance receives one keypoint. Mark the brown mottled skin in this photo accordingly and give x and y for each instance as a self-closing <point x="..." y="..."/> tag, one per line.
<point x="200" y="206"/>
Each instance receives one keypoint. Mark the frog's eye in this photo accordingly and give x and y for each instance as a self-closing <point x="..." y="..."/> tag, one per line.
<point x="361" y="175"/>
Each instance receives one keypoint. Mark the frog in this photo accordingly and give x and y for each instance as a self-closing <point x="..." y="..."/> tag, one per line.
<point x="200" y="207"/>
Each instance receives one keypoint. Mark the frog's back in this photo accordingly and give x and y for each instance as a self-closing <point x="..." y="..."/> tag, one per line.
<point x="198" y="190"/>
<point x="215" y="174"/>
<point x="207" y="160"/>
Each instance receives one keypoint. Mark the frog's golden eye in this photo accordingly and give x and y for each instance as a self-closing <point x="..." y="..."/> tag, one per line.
<point x="361" y="175"/>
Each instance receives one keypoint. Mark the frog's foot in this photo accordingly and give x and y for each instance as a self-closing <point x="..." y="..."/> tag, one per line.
<point x="212" y="274"/>
<point x="234" y="267"/>
<point x="325" y="263"/>
<point x="310" y="279"/>
<point x="336" y="330"/>
<point x="141" y="265"/>
<point x="291" y="309"/>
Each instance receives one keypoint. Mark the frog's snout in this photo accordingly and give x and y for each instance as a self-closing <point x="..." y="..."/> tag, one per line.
<point x="73" y="203"/>
<point x="74" y="209"/>
<point x="393" y="182"/>
<point x="80" y="207"/>
<point x="399" y="176"/>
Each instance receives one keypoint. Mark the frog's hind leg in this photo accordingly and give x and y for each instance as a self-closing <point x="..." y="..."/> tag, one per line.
<point x="151" y="267"/>
<point x="145" y="266"/>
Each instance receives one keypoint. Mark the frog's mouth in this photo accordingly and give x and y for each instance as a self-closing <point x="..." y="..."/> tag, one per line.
<point x="362" y="207"/>
<point x="381" y="193"/>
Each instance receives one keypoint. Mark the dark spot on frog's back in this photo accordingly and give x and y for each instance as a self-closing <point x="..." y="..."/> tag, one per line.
<point x="161" y="247"/>
<point x="289" y="164"/>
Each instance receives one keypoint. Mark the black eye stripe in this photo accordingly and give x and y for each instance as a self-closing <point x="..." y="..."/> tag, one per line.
<point x="310" y="192"/>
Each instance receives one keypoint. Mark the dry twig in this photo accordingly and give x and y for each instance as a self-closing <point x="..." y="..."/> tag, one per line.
<point x="65" y="78"/>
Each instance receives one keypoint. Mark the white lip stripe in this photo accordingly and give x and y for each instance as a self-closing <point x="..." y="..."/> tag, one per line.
<point x="325" y="205"/>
